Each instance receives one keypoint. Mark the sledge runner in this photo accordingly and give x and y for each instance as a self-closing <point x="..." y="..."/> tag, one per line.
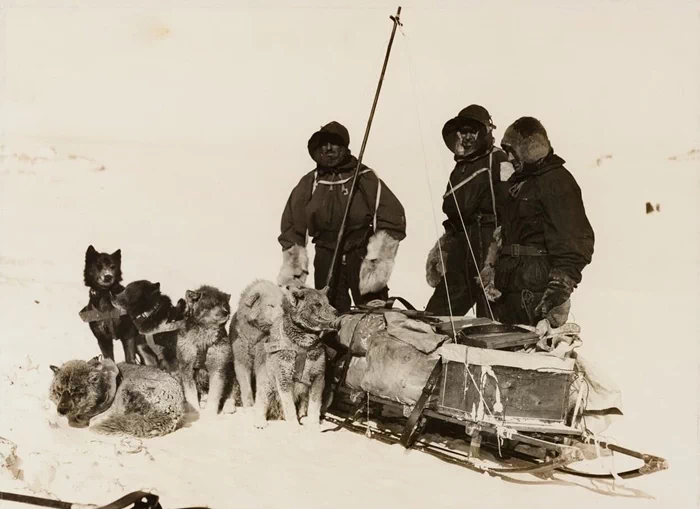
<point x="471" y="204"/>
<point x="376" y="223"/>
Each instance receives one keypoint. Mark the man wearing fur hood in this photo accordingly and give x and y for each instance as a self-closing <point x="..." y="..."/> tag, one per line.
<point x="470" y="203"/>
<point x="375" y="225"/>
<point x="546" y="239"/>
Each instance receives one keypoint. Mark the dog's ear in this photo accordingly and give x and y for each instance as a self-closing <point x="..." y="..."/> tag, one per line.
<point x="90" y="253"/>
<point x="156" y="286"/>
<point x="117" y="255"/>
<point x="324" y="291"/>
<point x="251" y="299"/>
<point x="296" y="295"/>
<point x="55" y="369"/>
<point x="192" y="296"/>
<point x="228" y="297"/>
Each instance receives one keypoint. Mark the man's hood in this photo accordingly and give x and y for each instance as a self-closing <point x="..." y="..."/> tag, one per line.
<point x="335" y="132"/>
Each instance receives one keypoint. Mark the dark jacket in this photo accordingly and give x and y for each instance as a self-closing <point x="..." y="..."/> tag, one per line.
<point x="544" y="209"/>
<point x="473" y="197"/>
<point x="320" y="211"/>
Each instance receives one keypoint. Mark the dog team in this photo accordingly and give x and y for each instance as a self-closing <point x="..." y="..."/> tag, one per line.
<point x="515" y="243"/>
<point x="274" y="336"/>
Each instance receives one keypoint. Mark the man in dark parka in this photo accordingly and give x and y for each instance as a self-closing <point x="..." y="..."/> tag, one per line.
<point x="547" y="239"/>
<point x="471" y="204"/>
<point x="375" y="225"/>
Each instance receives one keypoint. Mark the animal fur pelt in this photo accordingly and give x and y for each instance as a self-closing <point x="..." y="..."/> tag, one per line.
<point x="378" y="263"/>
<point x="434" y="267"/>
<point x="295" y="266"/>
<point x="488" y="273"/>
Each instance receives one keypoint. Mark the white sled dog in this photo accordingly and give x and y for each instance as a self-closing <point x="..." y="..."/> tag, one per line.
<point x="259" y="306"/>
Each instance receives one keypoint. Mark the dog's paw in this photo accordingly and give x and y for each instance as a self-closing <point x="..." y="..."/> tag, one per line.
<point x="260" y="424"/>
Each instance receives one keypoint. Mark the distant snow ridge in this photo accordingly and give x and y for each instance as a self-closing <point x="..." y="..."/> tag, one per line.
<point x="24" y="162"/>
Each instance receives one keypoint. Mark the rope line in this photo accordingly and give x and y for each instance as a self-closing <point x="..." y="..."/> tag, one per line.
<point x="452" y="191"/>
<point x="425" y="160"/>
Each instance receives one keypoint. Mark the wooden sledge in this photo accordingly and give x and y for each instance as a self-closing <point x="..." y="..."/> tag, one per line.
<point x="516" y="405"/>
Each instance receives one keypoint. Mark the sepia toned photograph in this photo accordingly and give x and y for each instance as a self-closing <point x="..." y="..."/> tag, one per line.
<point x="349" y="254"/>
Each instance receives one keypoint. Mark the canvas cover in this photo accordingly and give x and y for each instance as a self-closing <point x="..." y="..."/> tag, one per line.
<point x="399" y="358"/>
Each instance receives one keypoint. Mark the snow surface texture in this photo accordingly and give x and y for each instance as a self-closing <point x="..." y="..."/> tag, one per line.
<point x="176" y="136"/>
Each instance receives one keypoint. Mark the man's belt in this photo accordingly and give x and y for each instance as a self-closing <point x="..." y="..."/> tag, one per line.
<point x="485" y="219"/>
<point x="521" y="250"/>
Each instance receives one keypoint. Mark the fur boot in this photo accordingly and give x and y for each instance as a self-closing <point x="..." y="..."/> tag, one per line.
<point x="378" y="264"/>
<point x="434" y="267"/>
<point x="488" y="273"/>
<point x="295" y="266"/>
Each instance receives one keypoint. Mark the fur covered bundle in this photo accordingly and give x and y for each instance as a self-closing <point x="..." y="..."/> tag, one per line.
<point x="378" y="264"/>
<point x="295" y="266"/>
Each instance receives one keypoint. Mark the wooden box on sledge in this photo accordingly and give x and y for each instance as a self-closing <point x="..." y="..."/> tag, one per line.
<point x="516" y="387"/>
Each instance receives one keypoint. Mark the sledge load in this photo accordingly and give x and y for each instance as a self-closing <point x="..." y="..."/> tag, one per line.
<point x="521" y="391"/>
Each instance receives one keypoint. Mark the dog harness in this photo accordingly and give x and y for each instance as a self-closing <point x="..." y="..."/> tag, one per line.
<point x="301" y="374"/>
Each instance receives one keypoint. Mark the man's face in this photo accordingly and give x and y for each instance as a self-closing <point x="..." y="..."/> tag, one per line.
<point x="513" y="158"/>
<point x="332" y="155"/>
<point x="466" y="141"/>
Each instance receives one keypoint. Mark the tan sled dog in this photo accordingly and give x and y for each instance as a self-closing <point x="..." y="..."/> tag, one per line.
<point x="291" y="363"/>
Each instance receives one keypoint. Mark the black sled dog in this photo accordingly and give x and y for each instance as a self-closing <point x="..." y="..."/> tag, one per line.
<point x="151" y="311"/>
<point x="103" y="275"/>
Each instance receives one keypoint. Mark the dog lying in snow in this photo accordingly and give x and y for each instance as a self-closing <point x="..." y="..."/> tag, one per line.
<point x="117" y="399"/>
<point x="291" y="362"/>
<point x="149" y="310"/>
<point x="259" y="306"/>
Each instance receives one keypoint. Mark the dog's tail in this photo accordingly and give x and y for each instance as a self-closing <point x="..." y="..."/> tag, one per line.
<point x="148" y="425"/>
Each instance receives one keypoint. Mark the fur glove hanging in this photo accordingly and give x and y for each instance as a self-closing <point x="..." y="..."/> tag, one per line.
<point x="295" y="266"/>
<point x="488" y="272"/>
<point x="557" y="294"/>
<point x="434" y="266"/>
<point x="378" y="263"/>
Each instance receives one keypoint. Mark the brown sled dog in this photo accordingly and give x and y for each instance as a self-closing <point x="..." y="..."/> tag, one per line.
<point x="290" y="364"/>
<point x="202" y="344"/>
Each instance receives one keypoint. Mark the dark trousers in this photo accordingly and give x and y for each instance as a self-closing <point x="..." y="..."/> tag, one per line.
<point x="517" y="308"/>
<point x="462" y="283"/>
<point x="347" y="280"/>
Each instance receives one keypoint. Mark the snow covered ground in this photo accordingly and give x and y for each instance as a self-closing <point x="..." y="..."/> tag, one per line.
<point x="176" y="135"/>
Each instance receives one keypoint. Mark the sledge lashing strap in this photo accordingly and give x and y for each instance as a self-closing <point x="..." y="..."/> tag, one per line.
<point x="413" y="424"/>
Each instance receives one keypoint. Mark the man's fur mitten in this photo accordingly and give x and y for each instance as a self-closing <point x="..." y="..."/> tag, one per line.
<point x="378" y="263"/>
